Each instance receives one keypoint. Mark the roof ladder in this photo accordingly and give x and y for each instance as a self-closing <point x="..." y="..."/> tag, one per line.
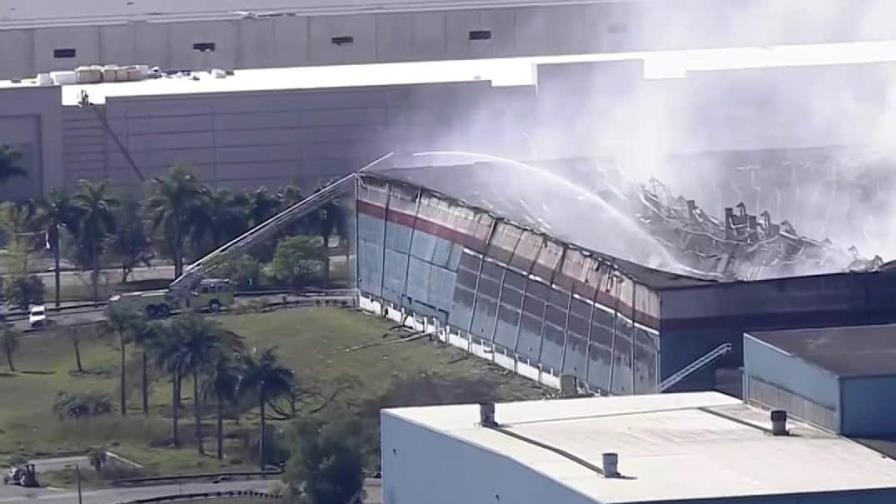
<point x="694" y="366"/>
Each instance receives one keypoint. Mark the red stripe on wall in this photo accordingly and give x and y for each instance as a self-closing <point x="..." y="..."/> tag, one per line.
<point x="459" y="237"/>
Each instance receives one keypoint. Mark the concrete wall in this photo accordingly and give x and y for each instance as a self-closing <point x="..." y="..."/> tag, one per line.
<point x="295" y="38"/>
<point x="30" y="123"/>
<point x="271" y="138"/>
<point x="775" y="379"/>
<point x="420" y="465"/>
<point x="868" y="406"/>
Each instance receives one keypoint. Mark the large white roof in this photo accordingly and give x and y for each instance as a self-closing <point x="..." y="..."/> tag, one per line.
<point x="673" y="446"/>
<point x="517" y="71"/>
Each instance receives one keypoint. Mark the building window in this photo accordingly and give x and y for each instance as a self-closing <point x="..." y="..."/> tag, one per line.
<point x="204" y="46"/>
<point x="480" y="35"/>
<point x="344" y="40"/>
<point x="64" y="53"/>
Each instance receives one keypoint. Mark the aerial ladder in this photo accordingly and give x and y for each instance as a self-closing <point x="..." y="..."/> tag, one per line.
<point x="185" y="284"/>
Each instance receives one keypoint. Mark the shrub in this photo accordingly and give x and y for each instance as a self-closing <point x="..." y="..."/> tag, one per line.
<point x="23" y="290"/>
<point x="78" y="406"/>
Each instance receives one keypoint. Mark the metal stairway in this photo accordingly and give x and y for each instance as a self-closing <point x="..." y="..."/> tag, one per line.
<point x="694" y="366"/>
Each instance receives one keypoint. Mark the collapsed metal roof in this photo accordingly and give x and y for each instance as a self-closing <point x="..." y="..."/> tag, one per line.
<point x="595" y="206"/>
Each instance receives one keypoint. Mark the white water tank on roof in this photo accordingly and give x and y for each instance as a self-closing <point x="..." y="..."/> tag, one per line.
<point x="64" y="77"/>
<point x="89" y="75"/>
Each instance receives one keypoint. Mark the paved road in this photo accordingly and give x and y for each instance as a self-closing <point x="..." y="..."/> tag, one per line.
<point x="89" y="315"/>
<point x="17" y="495"/>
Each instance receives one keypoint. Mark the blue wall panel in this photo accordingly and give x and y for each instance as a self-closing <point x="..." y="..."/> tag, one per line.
<point x="541" y="323"/>
<point x="394" y="275"/>
<point x="370" y="268"/>
<point x="868" y="406"/>
<point x="790" y="372"/>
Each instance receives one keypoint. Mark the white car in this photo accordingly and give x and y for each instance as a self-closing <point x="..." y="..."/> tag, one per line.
<point x="37" y="315"/>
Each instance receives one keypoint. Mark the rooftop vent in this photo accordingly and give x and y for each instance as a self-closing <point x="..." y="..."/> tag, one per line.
<point x="779" y="422"/>
<point x="610" y="465"/>
<point x="487" y="415"/>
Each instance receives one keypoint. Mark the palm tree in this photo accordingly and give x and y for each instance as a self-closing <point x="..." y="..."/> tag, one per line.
<point x="167" y="353"/>
<point x="9" y="164"/>
<point x="96" y="220"/>
<point x="199" y="343"/>
<point x="261" y="205"/>
<point x="147" y="337"/>
<point x="10" y="345"/>
<point x="173" y="204"/>
<point x="289" y="195"/>
<point x="222" y="384"/>
<point x="126" y="323"/>
<point x="55" y="213"/>
<point x="272" y="381"/>
<point x="221" y="218"/>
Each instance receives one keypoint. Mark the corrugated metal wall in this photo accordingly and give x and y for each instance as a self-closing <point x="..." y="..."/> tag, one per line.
<point x="775" y="379"/>
<point x="528" y="297"/>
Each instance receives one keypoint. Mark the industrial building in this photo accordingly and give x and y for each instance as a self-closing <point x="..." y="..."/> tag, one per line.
<point x="42" y="35"/>
<point x="840" y="379"/>
<point x="513" y="276"/>
<point x="685" y="448"/>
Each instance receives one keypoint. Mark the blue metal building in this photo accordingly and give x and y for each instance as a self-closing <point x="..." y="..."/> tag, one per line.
<point x="842" y="379"/>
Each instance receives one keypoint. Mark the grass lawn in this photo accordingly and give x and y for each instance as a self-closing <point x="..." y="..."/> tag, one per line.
<point x="329" y="349"/>
<point x="316" y="343"/>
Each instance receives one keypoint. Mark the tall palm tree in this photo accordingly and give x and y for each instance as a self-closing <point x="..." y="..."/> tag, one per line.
<point x="289" y="195"/>
<point x="96" y="221"/>
<point x="9" y="164"/>
<point x="174" y="203"/>
<point x="199" y="343"/>
<point x="261" y="205"/>
<point x="127" y="323"/>
<point x="167" y="353"/>
<point x="55" y="213"/>
<point x="222" y="384"/>
<point x="272" y="381"/>
<point x="147" y="337"/>
<point x="221" y="218"/>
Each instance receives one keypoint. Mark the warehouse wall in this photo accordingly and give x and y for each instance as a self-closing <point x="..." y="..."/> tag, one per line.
<point x="30" y="124"/>
<point x="868" y="406"/>
<point x="420" y="465"/>
<point x="520" y="294"/>
<point x="775" y="379"/>
<point x="278" y="137"/>
<point x="291" y="38"/>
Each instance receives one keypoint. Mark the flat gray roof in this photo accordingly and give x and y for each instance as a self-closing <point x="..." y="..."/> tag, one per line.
<point x="844" y="351"/>
<point x="686" y="446"/>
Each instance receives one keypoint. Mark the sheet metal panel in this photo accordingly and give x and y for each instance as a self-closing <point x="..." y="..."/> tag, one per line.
<point x="417" y="287"/>
<point x="572" y="269"/>
<point x="554" y="329"/>
<point x="527" y="249"/>
<point x="394" y="275"/>
<point x="548" y="260"/>
<point x="575" y="353"/>
<point x="503" y="241"/>
<point x="370" y="268"/>
<point x="423" y="245"/>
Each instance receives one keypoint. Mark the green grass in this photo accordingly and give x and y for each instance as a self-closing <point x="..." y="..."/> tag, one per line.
<point x="321" y="345"/>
